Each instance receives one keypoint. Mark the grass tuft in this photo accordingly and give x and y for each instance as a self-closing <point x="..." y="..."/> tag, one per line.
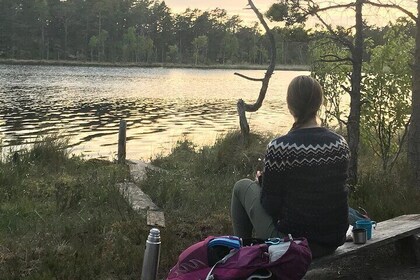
<point x="195" y="192"/>
<point x="386" y="194"/>
<point x="61" y="217"/>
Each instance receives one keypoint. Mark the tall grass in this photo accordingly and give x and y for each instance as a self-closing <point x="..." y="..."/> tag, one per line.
<point x="61" y="217"/>
<point x="195" y="192"/>
<point x="385" y="194"/>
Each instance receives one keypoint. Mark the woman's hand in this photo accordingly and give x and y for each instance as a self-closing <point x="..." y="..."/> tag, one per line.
<point x="258" y="177"/>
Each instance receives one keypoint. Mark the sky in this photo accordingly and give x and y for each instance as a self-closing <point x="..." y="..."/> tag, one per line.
<point x="374" y="16"/>
<point x="233" y="7"/>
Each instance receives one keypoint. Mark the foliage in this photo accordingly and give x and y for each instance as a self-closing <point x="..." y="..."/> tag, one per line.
<point x="292" y="44"/>
<point x="330" y="67"/>
<point x="127" y="31"/>
<point x="277" y="12"/>
<point x="200" y="48"/>
<point x="136" y="47"/>
<point x="287" y="11"/>
<point x="387" y="88"/>
<point x="230" y="47"/>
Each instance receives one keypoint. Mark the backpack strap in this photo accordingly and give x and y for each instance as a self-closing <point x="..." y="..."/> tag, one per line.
<point x="210" y="275"/>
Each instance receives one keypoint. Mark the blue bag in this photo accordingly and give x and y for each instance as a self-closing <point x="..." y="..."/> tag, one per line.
<point x="355" y="215"/>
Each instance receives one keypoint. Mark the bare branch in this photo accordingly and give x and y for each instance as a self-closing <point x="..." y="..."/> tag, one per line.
<point x="342" y="121"/>
<point x="248" y="78"/>
<point x="346" y="89"/>
<point x="242" y="107"/>
<point x="254" y="107"/>
<point x="401" y="143"/>
<point x="338" y="6"/>
<point x="336" y="37"/>
<point x="334" y="58"/>
<point x="337" y="117"/>
<point x="393" y="6"/>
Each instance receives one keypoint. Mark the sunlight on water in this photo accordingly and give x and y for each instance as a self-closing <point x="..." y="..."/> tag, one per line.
<point x="160" y="106"/>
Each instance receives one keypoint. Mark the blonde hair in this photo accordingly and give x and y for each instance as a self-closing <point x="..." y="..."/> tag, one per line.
<point x="304" y="98"/>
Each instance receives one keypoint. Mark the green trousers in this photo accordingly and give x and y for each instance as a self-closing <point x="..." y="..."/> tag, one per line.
<point x="247" y="213"/>
<point x="248" y="216"/>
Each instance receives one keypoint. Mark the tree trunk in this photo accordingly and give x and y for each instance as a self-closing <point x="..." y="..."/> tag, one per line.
<point x="353" y="127"/>
<point x="196" y="56"/>
<point x="66" y="36"/>
<point x="414" y="129"/>
<point x="42" y="46"/>
<point x="99" y="34"/>
<point x="243" y="122"/>
<point x="243" y="107"/>
<point x="103" y="49"/>
<point x="48" y="49"/>
<point x="180" y="49"/>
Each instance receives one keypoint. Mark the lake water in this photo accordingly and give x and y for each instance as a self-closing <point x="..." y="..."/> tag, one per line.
<point x="160" y="106"/>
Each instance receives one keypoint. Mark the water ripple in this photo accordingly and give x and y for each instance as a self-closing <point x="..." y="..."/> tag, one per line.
<point x="159" y="105"/>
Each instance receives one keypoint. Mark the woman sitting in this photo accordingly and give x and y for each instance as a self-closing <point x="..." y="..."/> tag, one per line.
<point x="302" y="190"/>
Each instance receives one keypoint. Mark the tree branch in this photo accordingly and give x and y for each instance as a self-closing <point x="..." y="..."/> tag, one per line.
<point x="346" y="89"/>
<point x="241" y="106"/>
<point x="254" y="107"/>
<point x="338" y="6"/>
<point x="335" y="116"/>
<point x="342" y="40"/>
<point x="401" y="143"/>
<point x="334" y="58"/>
<point x="393" y="6"/>
<point x="248" y="78"/>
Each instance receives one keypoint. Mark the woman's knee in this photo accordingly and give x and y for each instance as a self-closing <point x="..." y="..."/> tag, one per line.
<point x="241" y="185"/>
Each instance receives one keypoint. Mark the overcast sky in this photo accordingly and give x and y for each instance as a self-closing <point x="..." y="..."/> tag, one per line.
<point x="233" y="7"/>
<point x="236" y="7"/>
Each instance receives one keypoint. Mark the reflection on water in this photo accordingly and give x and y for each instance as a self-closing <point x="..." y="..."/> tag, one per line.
<point x="160" y="106"/>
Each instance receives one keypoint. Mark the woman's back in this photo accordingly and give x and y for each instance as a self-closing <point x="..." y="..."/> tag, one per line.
<point x="304" y="184"/>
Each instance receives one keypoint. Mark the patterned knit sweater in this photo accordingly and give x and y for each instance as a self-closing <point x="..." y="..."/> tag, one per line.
<point x="303" y="185"/>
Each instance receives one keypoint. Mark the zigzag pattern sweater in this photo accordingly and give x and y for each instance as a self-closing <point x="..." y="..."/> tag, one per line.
<point x="303" y="185"/>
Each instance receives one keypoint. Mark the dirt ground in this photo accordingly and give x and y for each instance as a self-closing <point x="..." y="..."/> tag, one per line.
<point x="386" y="263"/>
<point x="394" y="273"/>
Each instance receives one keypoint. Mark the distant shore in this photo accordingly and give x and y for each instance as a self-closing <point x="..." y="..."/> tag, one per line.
<point x="150" y="65"/>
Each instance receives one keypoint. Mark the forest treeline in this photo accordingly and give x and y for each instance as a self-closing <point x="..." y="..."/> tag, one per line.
<point x="140" y="31"/>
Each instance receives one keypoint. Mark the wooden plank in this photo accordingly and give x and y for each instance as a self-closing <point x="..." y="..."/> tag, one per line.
<point x="155" y="218"/>
<point x="386" y="232"/>
<point x="137" y="198"/>
<point x="138" y="169"/>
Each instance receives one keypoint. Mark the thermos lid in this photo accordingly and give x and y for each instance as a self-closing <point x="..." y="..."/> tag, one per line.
<point x="154" y="235"/>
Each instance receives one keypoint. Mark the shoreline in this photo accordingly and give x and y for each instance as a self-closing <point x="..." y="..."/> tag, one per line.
<point x="149" y="65"/>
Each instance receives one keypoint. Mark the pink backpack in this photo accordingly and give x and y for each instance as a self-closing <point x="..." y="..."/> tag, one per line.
<point x="227" y="257"/>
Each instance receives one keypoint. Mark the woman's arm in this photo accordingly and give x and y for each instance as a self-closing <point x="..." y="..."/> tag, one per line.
<point x="272" y="194"/>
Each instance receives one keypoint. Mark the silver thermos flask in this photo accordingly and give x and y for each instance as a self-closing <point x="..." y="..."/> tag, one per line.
<point x="151" y="256"/>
